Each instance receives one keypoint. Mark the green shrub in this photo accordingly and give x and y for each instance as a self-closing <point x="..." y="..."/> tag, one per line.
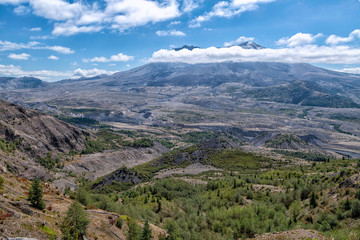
<point x="119" y="223"/>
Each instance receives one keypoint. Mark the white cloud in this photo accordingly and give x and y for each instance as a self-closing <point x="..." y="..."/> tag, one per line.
<point x="50" y="75"/>
<point x="10" y="46"/>
<point x="90" y="72"/>
<point x="69" y="28"/>
<point x="22" y="10"/>
<point x="334" y="40"/>
<point x="60" y="49"/>
<point x="299" y="39"/>
<point x="190" y="5"/>
<point x="170" y="33"/>
<point x="239" y="40"/>
<point x="354" y="70"/>
<point x="21" y="56"/>
<point x="35" y="29"/>
<point x="175" y="22"/>
<point x="228" y="9"/>
<point x="45" y="37"/>
<point x="52" y="57"/>
<point x="307" y="54"/>
<point x="133" y="13"/>
<point x="16" y="71"/>
<point x="114" y="58"/>
<point x="81" y="17"/>
<point x="58" y="10"/>
<point x="121" y="58"/>
<point x="11" y="1"/>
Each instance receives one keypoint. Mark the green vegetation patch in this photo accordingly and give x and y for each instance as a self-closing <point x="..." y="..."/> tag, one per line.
<point x="107" y="139"/>
<point x="316" y="157"/>
<point x="49" y="162"/>
<point x="281" y="139"/>
<point x="9" y="146"/>
<point x="239" y="160"/>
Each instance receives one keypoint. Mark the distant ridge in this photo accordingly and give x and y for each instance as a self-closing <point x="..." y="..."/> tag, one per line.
<point x="185" y="47"/>
<point x="21" y="83"/>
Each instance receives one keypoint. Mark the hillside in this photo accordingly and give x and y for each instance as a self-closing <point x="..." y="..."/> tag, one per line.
<point x="27" y="136"/>
<point x="19" y="219"/>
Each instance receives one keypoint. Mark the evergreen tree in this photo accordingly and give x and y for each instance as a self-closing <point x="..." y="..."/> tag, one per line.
<point x="313" y="202"/>
<point x="134" y="232"/>
<point x="36" y="195"/>
<point x="75" y="222"/>
<point x="159" y="206"/>
<point x="347" y="204"/>
<point x="1" y="181"/>
<point x="146" y="234"/>
<point x="355" y="208"/>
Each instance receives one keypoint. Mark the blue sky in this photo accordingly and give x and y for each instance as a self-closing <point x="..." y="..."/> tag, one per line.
<point x="57" y="39"/>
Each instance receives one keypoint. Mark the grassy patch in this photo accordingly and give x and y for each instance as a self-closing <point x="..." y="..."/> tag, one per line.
<point x="238" y="160"/>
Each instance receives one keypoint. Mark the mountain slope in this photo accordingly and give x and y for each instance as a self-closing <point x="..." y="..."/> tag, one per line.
<point x="27" y="136"/>
<point x="251" y="74"/>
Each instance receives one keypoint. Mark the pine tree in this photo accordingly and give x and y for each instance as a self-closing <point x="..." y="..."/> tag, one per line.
<point x="75" y="222"/>
<point x="146" y="234"/>
<point x="313" y="202"/>
<point x="159" y="206"/>
<point x="36" y="194"/>
<point x="134" y="232"/>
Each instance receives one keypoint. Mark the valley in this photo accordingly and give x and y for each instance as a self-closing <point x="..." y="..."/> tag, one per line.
<point x="205" y="151"/>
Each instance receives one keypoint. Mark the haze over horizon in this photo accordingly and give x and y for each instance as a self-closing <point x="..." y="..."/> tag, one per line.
<point x="60" y="39"/>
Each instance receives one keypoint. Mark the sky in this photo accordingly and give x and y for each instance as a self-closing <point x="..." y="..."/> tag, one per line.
<point x="60" y="39"/>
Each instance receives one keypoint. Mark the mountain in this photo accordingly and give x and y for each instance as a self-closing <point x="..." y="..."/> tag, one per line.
<point x="250" y="45"/>
<point x="254" y="76"/>
<point x="7" y="83"/>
